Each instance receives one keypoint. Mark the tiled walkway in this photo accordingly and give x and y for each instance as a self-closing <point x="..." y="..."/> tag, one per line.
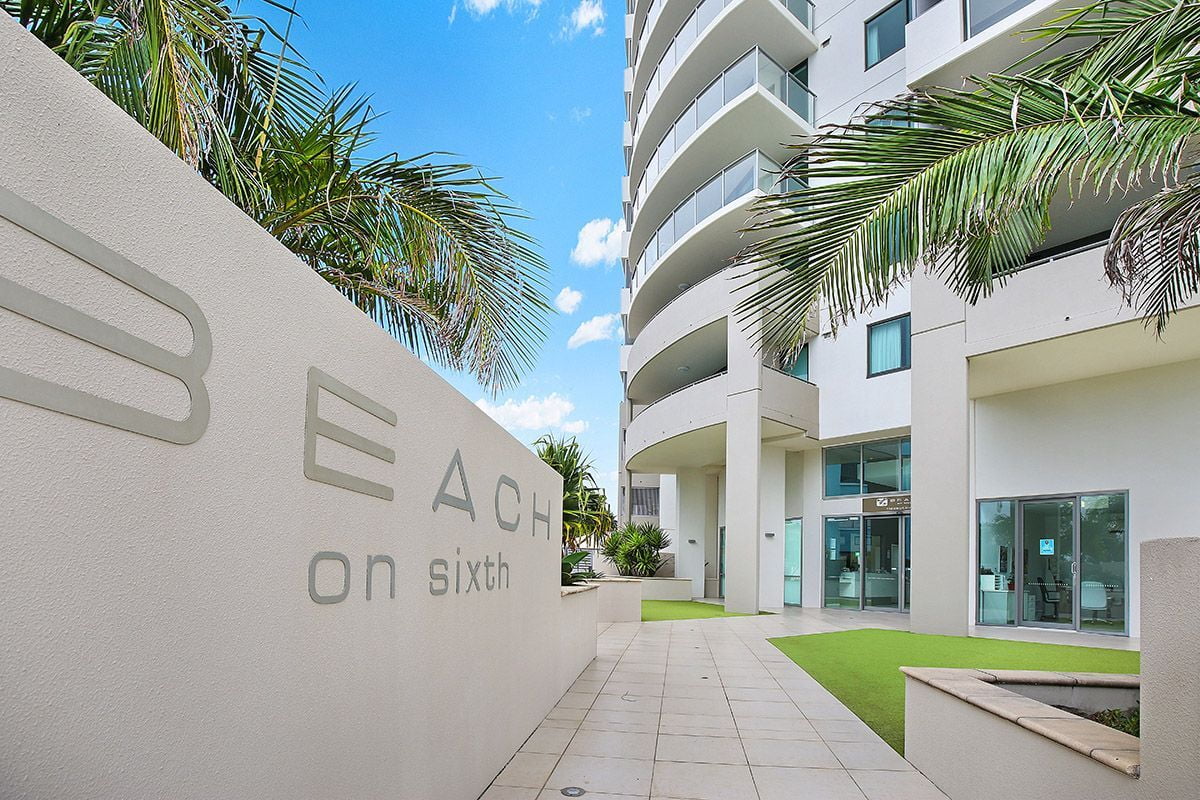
<point x="709" y="710"/>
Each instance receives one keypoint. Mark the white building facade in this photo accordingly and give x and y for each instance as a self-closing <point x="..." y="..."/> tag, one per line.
<point x="988" y="468"/>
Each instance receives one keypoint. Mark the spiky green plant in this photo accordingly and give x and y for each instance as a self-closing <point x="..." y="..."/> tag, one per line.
<point x="636" y="549"/>
<point x="586" y="513"/>
<point x="428" y="249"/>
<point x="964" y="186"/>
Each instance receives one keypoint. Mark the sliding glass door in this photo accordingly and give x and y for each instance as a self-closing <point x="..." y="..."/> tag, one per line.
<point x="1057" y="562"/>
<point x="792" y="561"/>
<point x="867" y="562"/>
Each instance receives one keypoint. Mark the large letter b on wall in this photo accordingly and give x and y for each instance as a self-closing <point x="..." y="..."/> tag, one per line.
<point x="188" y="369"/>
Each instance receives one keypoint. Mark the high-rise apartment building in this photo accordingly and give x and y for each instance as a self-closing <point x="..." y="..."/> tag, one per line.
<point x="991" y="466"/>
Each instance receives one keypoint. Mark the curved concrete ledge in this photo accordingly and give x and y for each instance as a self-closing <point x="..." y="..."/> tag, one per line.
<point x="983" y="690"/>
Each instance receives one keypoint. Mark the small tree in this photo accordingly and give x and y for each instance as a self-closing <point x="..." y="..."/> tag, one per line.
<point x="586" y="514"/>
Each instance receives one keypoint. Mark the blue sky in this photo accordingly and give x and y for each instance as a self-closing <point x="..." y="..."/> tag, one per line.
<point x="529" y="90"/>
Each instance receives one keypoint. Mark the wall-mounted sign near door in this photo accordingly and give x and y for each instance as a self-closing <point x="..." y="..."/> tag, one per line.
<point x="893" y="504"/>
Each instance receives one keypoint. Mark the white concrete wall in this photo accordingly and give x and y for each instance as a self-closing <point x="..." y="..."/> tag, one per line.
<point x="771" y="497"/>
<point x="159" y="636"/>
<point x="1120" y="432"/>
<point x="693" y="506"/>
<point x="578" y="615"/>
<point x="617" y="600"/>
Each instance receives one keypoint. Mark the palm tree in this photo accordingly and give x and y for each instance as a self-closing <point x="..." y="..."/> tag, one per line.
<point x="427" y="249"/>
<point x="586" y="514"/>
<point x="960" y="180"/>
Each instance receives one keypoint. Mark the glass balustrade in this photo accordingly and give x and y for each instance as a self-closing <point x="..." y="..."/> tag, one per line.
<point x="696" y="23"/>
<point x="753" y="68"/>
<point x="753" y="171"/>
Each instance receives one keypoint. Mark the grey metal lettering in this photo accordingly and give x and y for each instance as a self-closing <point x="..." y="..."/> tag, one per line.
<point x="487" y="572"/>
<point x="541" y="517"/>
<point x="473" y="568"/>
<point x="501" y="570"/>
<point x="504" y="480"/>
<point x="46" y="394"/>
<point x="371" y="562"/>
<point x="315" y="426"/>
<point x="328" y="555"/>
<point x="443" y="498"/>
<point x="439" y="576"/>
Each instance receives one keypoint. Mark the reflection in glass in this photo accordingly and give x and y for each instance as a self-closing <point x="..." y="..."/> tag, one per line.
<point x="1047" y="552"/>
<point x="881" y="466"/>
<point x="842" y="476"/>
<point x="792" y="551"/>
<point x="1102" y="543"/>
<point x="881" y="562"/>
<point x="841" y="562"/>
<point x="997" y="570"/>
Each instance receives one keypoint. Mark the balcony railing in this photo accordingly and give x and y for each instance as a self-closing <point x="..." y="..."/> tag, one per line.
<point x="643" y="409"/>
<point x="753" y="68"/>
<point x="753" y="171"/>
<point x="983" y="14"/>
<point x="688" y="33"/>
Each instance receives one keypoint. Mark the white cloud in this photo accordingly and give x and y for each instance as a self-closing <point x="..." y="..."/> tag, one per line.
<point x="580" y="114"/>
<point x="534" y="413"/>
<point x="568" y="300"/>
<point x="599" y="242"/>
<point x="588" y="14"/>
<point x="596" y="329"/>
<point x="482" y="8"/>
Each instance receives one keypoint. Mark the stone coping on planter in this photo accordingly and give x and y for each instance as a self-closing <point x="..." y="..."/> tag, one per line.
<point x="615" y="579"/>
<point x="578" y="588"/>
<point x="980" y="688"/>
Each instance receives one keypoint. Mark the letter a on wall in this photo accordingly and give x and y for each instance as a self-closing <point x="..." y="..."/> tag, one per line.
<point x="444" y="498"/>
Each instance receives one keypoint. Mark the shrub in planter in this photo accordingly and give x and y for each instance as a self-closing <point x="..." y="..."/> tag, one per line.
<point x="635" y="549"/>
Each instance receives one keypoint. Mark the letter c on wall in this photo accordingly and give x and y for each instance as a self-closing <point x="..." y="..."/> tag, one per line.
<point x="35" y="391"/>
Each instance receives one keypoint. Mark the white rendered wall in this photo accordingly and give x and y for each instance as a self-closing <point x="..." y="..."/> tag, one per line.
<point x="772" y="491"/>
<point x="160" y="634"/>
<point x="693" y="506"/>
<point x="1134" y="431"/>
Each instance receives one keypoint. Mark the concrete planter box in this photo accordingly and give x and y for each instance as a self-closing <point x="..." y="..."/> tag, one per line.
<point x="666" y="588"/>
<point x="576" y="632"/>
<point x="619" y="599"/>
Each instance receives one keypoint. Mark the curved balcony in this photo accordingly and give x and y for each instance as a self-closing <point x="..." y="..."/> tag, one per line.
<point x="729" y="28"/>
<point x="683" y="429"/>
<point x="687" y="427"/>
<point x="698" y="352"/>
<point x="754" y="100"/>
<point x="694" y="309"/>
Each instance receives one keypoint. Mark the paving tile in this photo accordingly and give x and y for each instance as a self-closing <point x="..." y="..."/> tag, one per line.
<point x="717" y="721"/>
<point x="509" y="793"/>
<point x="627" y="702"/>
<point x="767" y="695"/>
<point x="784" y="753"/>
<point x="890" y="785"/>
<point x="555" y="794"/>
<point x="792" y="783"/>
<point x="600" y="774"/>
<point x="700" y="749"/>
<point x="576" y="700"/>
<point x="548" y="740"/>
<point x="759" y="709"/>
<point x="528" y="770"/>
<point x="868" y="755"/>
<point x="703" y="781"/>
<point x="616" y="744"/>
<point x="693" y="705"/>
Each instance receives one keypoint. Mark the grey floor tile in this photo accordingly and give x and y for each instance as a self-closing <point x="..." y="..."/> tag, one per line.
<point x="703" y="781"/>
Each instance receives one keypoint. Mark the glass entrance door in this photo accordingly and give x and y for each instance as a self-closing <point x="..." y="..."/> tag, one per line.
<point x="882" y="562"/>
<point x="721" y="562"/>
<point x="792" y="551"/>
<point x="1049" y="569"/>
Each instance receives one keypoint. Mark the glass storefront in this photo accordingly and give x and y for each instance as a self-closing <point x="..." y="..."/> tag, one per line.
<point x="1056" y="562"/>
<point x="867" y="561"/>
<point x="879" y="467"/>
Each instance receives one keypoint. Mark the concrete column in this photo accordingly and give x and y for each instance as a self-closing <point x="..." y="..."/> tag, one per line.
<point x="772" y="495"/>
<point x="813" y="567"/>
<point x="743" y="468"/>
<point x="712" y="522"/>
<point x="691" y="486"/>
<point x="941" y="496"/>
<point x="1170" y="679"/>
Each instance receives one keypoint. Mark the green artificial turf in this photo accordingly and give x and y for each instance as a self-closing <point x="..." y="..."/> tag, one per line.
<point x="659" y="610"/>
<point x="862" y="668"/>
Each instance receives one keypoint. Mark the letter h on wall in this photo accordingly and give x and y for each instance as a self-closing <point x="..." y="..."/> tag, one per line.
<point x="315" y="426"/>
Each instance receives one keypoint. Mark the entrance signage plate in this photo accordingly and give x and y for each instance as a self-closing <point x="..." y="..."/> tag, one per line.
<point x="889" y="504"/>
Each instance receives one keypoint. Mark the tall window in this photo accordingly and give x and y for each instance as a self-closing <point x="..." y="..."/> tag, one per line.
<point x="885" y="32"/>
<point x="889" y="346"/>
<point x="645" y="501"/>
<point x="868" y="468"/>
<point x="799" y="368"/>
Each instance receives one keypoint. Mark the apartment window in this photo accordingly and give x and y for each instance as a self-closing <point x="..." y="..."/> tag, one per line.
<point x="799" y="367"/>
<point x="885" y="32"/>
<point x="889" y="346"/>
<point x="644" y="500"/>
<point x="877" y="467"/>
